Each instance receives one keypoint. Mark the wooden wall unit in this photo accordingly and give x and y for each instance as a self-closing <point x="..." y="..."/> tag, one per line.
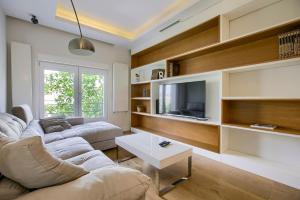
<point x="253" y="86"/>
<point x="200" y="36"/>
<point x="200" y="50"/>
<point x="199" y="135"/>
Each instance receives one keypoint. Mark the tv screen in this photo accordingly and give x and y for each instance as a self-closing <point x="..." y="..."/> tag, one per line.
<point x="183" y="99"/>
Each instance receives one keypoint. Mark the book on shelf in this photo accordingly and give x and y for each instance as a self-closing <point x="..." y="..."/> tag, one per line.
<point x="264" y="126"/>
<point x="289" y="44"/>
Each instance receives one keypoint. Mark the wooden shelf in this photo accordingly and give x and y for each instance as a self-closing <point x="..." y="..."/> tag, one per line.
<point x="245" y="68"/>
<point x="265" y="65"/>
<point x="141" y="113"/>
<point x="182" y="119"/>
<point x="283" y="113"/>
<point x="202" y="35"/>
<point x="261" y="98"/>
<point x="254" y="48"/>
<point x="201" y="135"/>
<point x="141" y="98"/>
<point x="179" y="138"/>
<point x="277" y="131"/>
<point x="141" y="83"/>
<point x="207" y="122"/>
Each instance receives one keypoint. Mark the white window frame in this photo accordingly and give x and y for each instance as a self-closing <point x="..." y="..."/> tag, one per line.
<point x="78" y="71"/>
<point x="82" y="70"/>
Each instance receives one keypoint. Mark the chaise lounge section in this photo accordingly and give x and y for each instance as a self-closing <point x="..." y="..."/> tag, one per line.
<point x="101" y="135"/>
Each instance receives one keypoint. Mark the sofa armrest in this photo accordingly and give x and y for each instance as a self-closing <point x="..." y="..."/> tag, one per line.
<point x="111" y="183"/>
<point x="75" y="120"/>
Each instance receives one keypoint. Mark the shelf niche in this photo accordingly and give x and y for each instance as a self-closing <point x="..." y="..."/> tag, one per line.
<point x="199" y="135"/>
<point x="202" y="35"/>
<point x="285" y="114"/>
<point x="269" y="80"/>
<point x="251" y="49"/>
<point x="144" y="103"/>
<point x="268" y="155"/>
<point x="137" y="90"/>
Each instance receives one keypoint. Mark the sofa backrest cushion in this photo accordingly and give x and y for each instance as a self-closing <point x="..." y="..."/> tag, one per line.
<point x="27" y="162"/>
<point x="10" y="189"/>
<point x="33" y="129"/>
<point x="11" y="125"/>
<point x="23" y="112"/>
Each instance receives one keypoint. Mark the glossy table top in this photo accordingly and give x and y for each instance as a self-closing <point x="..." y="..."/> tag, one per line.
<point x="146" y="147"/>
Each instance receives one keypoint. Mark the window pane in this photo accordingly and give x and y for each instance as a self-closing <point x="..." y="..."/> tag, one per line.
<point x="58" y="93"/>
<point x="92" y="99"/>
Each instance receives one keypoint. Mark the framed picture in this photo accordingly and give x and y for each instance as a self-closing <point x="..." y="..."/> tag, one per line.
<point x="158" y="74"/>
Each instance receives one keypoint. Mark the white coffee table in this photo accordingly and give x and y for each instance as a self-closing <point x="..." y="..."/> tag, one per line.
<point x="146" y="147"/>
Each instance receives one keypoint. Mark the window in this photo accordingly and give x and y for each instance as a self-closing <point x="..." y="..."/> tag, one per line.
<point x="72" y="91"/>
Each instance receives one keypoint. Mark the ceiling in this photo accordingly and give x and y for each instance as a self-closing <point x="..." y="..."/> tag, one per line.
<point x="128" y="19"/>
<point x="119" y="22"/>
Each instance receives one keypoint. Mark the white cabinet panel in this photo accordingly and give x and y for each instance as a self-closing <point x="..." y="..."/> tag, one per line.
<point x="120" y="87"/>
<point x="21" y="74"/>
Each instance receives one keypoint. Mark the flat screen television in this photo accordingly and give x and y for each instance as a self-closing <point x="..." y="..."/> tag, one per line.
<point x="183" y="99"/>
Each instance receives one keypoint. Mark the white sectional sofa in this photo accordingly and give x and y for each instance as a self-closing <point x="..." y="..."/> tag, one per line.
<point x="104" y="180"/>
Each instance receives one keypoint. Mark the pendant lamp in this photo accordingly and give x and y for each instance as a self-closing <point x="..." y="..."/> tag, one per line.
<point x="80" y="46"/>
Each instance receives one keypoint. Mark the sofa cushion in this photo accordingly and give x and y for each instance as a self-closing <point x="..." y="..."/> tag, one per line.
<point x="11" y="125"/>
<point x="104" y="145"/>
<point x="33" y="129"/>
<point x="35" y="125"/>
<point x="92" y="132"/>
<point x="54" y="124"/>
<point x="23" y="112"/>
<point x="108" y="183"/>
<point x="91" y="160"/>
<point x="75" y="120"/>
<point x="10" y="189"/>
<point x="54" y="128"/>
<point x="27" y="162"/>
<point x="69" y="147"/>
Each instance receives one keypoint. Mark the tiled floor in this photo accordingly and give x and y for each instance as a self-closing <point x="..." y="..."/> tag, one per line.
<point x="212" y="180"/>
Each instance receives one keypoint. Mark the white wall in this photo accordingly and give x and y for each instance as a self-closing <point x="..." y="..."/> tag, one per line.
<point x="20" y="62"/>
<point x="3" y="65"/>
<point x="54" y="43"/>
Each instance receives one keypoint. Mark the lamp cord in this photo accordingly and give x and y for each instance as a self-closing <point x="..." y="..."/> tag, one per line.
<point x="76" y="18"/>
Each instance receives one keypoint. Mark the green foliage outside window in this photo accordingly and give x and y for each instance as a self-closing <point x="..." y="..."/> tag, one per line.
<point x="60" y="86"/>
<point x="92" y="96"/>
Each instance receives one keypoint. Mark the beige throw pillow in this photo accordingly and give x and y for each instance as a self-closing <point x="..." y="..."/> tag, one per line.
<point x="52" y="129"/>
<point x="55" y="124"/>
<point x="28" y="163"/>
